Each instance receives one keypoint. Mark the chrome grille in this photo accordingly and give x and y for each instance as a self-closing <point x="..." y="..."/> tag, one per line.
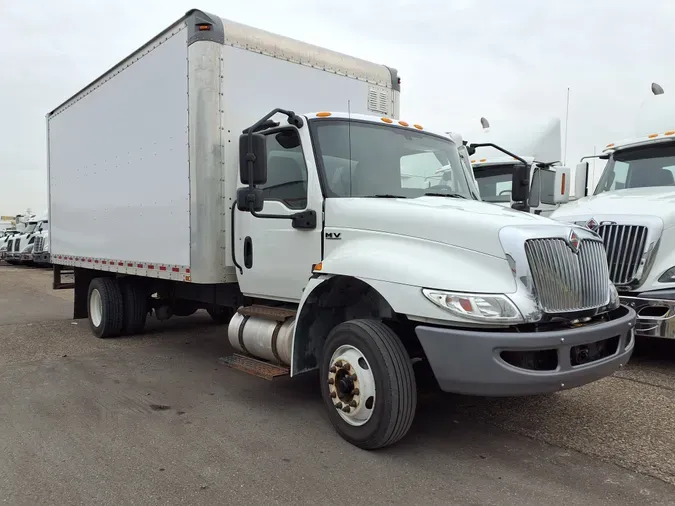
<point x="39" y="244"/>
<point x="566" y="281"/>
<point x="625" y="245"/>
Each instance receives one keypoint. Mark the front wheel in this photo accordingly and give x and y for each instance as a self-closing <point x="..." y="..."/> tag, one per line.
<point x="368" y="384"/>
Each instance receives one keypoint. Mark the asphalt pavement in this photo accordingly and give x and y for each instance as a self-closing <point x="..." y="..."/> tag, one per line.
<point x="156" y="419"/>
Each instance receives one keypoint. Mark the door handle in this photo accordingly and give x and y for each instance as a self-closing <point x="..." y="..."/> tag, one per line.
<point x="248" y="252"/>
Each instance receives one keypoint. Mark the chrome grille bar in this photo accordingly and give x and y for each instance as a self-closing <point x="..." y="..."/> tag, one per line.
<point x="625" y="245"/>
<point x="566" y="281"/>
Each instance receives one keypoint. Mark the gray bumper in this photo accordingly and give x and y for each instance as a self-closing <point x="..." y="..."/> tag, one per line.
<point x="656" y="317"/>
<point x="475" y="362"/>
<point x="41" y="258"/>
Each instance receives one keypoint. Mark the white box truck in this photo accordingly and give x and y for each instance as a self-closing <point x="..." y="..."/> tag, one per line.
<point x="633" y="210"/>
<point x="182" y="178"/>
<point x="537" y="145"/>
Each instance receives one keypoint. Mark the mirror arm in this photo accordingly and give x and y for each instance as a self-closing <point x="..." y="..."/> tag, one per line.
<point x="491" y="145"/>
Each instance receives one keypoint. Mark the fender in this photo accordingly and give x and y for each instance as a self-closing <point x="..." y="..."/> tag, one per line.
<point x="380" y="264"/>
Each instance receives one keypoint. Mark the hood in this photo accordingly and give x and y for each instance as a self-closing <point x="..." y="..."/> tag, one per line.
<point x="467" y="224"/>
<point x="653" y="201"/>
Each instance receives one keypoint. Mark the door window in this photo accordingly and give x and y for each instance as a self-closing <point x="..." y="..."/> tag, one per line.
<point x="286" y="169"/>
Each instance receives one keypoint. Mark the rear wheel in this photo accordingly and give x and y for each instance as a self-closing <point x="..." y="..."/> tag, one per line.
<point x="105" y="307"/>
<point x="135" y="302"/>
<point x="368" y="384"/>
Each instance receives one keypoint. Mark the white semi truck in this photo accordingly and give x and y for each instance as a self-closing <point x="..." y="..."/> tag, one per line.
<point x="297" y="230"/>
<point x="535" y="144"/>
<point x="20" y="246"/>
<point x="40" y="252"/>
<point x="633" y="210"/>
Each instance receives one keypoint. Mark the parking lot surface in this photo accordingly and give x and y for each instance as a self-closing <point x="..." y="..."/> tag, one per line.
<point x="155" y="419"/>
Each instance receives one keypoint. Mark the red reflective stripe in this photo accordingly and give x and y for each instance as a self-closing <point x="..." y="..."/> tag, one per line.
<point x="162" y="268"/>
<point x="151" y="266"/>
<point x="175" y="269"/>
<point x="187" y="270"/>
<point x="140" y="266"/>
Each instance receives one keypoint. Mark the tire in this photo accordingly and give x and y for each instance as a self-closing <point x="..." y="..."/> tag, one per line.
<point x="135" y="303"/>
<point x="220" y="314"/>
<point x="387" y="374"/>
<point x="105" y="307"/>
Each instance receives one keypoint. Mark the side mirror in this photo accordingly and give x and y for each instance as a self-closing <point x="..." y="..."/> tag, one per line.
<point x="247" y="196"/>
<point x="259" y="157"/>
<point x="581" y="180"/>
<point x="520" y="183"/>
<point x="550" y="186"/>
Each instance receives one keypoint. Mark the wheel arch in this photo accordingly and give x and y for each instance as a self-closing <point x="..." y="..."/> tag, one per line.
<point x="328" y="301"/>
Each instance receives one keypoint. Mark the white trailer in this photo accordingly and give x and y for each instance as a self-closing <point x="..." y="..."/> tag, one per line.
<point x="633" y="210"/>
<point x="301" y="231"/>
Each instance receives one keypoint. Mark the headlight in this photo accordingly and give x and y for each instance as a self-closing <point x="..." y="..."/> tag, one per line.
<point x="481" y="307"/>
<point x="28" y="249"/>
<point x="668" y="276"/>
<point x="614" y="301"/>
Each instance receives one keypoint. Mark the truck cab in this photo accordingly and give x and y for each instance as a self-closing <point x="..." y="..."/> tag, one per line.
<point x="537" y="146"/>
<point x="632" y="209"/>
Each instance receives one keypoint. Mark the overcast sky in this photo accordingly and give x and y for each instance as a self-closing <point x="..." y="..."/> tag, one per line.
<point x="458" y="59"/>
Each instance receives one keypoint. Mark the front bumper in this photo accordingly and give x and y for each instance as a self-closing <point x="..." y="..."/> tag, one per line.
<point x="655" y="317"/>
<point x="41" y="258"/>
<point x="475" y="362"/>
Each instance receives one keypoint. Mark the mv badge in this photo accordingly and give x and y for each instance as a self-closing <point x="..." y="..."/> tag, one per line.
<point x="573" y="241"/>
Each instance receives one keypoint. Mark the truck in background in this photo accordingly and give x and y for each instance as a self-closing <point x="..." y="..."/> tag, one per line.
<point x="40" y="254"/>
<point x="300" y="233"/>
<point x="537" y="145"/>
<point x="633" y="210"/>
<point x="20" y="246"/>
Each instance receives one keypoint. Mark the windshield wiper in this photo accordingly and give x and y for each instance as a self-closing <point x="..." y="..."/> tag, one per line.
<point x="453" y="195"/>
<point x="387" y="196"/>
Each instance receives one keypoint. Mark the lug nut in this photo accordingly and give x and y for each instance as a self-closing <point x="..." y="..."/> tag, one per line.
<point x="338" y="405"/>
<point x="331" y="381"/>
<point x="353" y="377"/>
<point x="346" y="409"/>
<point x="338" y="363"/>
<point x="356" y="391"/>
<point x="333" y="395"/>
<point x="333" y="369"/>
<point x="353" y="404"/>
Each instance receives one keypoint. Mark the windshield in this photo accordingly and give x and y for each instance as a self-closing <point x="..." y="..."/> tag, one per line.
<point x="639" y="168"/>
<point x="494" y="182"/>
<point x="361" y="159"/>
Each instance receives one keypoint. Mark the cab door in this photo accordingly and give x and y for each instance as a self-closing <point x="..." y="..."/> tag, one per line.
<point x="276" y="258"/>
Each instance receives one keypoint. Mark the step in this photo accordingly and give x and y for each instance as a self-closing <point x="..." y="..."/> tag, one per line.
<point x="255" y="367"/>
<point x="271" y="313"/>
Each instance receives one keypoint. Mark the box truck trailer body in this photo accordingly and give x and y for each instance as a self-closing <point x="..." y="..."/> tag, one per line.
<point x="108" y="209"/>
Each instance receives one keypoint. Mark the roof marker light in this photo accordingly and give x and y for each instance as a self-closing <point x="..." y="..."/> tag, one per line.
<point x="419" y="127"/>
<point x="323" y="114"/>
<point x="387" y="120"/>
<point x="611" y="145"/>
<point x="403" y="123"/>
<point x="651" y="136"/>
<point x="670" y="132"/>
